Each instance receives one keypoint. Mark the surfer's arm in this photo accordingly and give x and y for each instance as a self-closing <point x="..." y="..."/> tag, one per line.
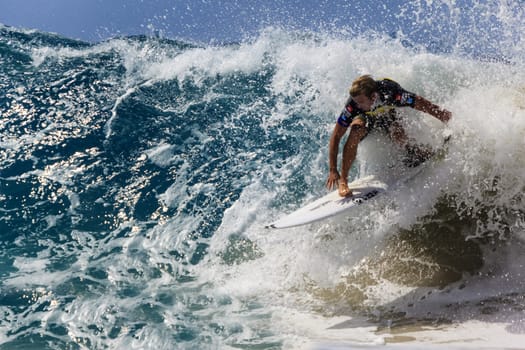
<point x="333" y="150"/>
<point x="337" y="134"/>
<point x="424" y="105"/>
<point x="357" y="133"/>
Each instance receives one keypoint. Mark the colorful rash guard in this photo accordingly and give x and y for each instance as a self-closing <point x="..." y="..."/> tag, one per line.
<point x="382" y="114"/>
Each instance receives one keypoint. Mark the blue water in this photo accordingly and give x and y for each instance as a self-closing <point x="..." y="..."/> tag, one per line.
<point x="137" y="175"/>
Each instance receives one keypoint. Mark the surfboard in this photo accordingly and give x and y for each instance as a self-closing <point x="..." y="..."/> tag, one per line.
<point x="363" y="190"/>
<point x="332" y="204"/>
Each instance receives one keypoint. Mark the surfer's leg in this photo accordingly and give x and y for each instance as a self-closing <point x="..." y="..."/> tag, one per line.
<point x="416" y="155"/>
<point x="357" y="133"/>
<point x="397" y="133"/>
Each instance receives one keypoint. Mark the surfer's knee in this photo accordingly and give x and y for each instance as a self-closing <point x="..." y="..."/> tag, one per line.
<point x="358" y="131"/>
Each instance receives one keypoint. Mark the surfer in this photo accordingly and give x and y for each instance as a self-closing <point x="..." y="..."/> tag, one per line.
<point x="371" y="105"/>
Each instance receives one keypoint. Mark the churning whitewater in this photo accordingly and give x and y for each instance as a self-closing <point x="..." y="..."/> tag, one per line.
<point x="137" y="176"/>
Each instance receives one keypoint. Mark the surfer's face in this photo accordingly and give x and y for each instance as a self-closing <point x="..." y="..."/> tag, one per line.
<point x="364" y="102"/>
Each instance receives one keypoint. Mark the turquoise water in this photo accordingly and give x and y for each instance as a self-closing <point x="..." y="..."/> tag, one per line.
<point x="137" y="175"/>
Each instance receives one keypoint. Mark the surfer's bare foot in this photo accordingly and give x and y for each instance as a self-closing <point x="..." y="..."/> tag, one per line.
<point x="344" y="191"/>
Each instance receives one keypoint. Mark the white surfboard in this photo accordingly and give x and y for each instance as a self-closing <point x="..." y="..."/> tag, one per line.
<point x="363" y="190"/>
<point x="332" y="204"/>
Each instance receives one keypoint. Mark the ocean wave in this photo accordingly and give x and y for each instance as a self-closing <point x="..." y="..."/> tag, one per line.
<point x="138" y="174"/>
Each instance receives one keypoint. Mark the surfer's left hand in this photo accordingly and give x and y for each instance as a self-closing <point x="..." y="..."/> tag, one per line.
<point x="333" y="179"/>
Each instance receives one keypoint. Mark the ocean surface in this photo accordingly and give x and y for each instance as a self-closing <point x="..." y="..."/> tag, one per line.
<point x="137" y="175"/>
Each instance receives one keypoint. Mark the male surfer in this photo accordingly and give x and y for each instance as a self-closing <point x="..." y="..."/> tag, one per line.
<point x="371" y="105"/>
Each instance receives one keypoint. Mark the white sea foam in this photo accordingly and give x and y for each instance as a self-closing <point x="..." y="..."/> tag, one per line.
<point x="485" y="99"/>
<point x="272" y="292"/>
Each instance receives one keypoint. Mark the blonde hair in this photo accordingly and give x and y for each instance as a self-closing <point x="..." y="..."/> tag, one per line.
<point x="364" y="85"/>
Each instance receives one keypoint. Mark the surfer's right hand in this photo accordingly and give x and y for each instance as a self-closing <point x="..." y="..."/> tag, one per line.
<point x="333" y="179"/>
